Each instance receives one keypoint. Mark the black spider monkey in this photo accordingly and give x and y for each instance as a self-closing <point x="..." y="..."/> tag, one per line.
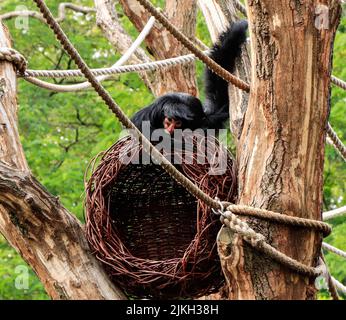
<point x="184" y="111"/>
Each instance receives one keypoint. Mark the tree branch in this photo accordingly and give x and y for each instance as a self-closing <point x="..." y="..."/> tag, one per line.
<point x="161" y="44"/>
<point x="108" y="21"/>
<point x="49" y="238"/>
<point x="61" y="12"/>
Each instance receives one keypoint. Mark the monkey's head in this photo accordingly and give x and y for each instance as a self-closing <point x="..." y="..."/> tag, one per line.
<point x="181" y="111"/>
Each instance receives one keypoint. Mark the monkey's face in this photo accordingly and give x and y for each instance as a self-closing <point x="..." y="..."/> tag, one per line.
<point x="169" y="124"/>
<point x="181" y="111"/>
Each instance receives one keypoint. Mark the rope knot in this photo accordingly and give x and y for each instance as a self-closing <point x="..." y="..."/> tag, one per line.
<point x="241" y="227"/>
<point x="13" y="56"/>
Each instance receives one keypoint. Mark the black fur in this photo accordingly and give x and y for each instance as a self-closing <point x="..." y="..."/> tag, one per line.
<point x="189" y="109"/>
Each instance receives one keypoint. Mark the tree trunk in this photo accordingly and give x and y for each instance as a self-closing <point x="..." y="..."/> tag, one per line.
<point x="281" y="147"/>
<point x="49" y="238"/>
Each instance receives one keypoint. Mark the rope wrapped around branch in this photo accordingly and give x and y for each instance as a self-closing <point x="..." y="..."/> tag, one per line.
<point x="13" y="56"/>
<point x="279" y="218"/>
<point x="257" y="240"/>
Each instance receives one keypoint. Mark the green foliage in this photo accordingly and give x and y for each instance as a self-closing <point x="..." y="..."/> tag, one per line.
<point x="335" y="167"/>
<point x="62" y="132"/>
<point x="11" y="268"/>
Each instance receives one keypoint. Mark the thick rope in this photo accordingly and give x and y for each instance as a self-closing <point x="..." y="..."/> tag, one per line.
<point x="13" y="56"/>
<point x="154" y="65"/>
<point x="280" y="218"/>
<point x="334" y="213"/>
<point x="333" y="249"/>
<point x="61" y="12"/>
<point x="241" y="8"/>
<point x="341" y="288"/>
<point x="255" y="239"/>
<point x="332" y="287"/>
<point x="211" y="64"/>
<point x="326" y="274"/>
<point x="336" y="142"/>
<point x="338" y="82"/>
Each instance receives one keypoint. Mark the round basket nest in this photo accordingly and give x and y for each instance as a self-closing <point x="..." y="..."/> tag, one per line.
<point x="153" y="237"/>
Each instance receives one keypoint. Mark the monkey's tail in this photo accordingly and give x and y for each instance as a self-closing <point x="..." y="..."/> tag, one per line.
<point x="224" y="52"/>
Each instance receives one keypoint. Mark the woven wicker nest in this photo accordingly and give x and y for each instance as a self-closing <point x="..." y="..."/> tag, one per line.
<point x="154" y="238"/>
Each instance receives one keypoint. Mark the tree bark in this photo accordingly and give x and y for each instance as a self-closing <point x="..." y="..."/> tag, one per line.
<point x="162" y="45"/>
<point x="281" y="147"/>
<point x="49" y="238"/>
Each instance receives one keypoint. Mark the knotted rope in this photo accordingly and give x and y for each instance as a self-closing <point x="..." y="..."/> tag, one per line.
<point x="13" y="56"/>
<point x="257" y="241"/>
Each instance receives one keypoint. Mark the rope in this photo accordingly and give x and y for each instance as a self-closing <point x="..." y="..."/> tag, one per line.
<point x="241" y="8"/>
<point x="340" y="83"/>
<point x="211" y="64"/>
<point x="334" y="213"/>
<point x="61" y="12"/>
<point x="280" y="218"/>
<point x="336" y="142"/>
<point x="257" y="241"/>
<point x="326" y="274"/>
<point x="339" y="286"/>
<point x="86" y="85"/>
<point x="13" y="56"/>
<point x="332" y="287"/>
<point x="335" y="250"/>
<point x="29" y="75"/>
<point x="154" y="65"/>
